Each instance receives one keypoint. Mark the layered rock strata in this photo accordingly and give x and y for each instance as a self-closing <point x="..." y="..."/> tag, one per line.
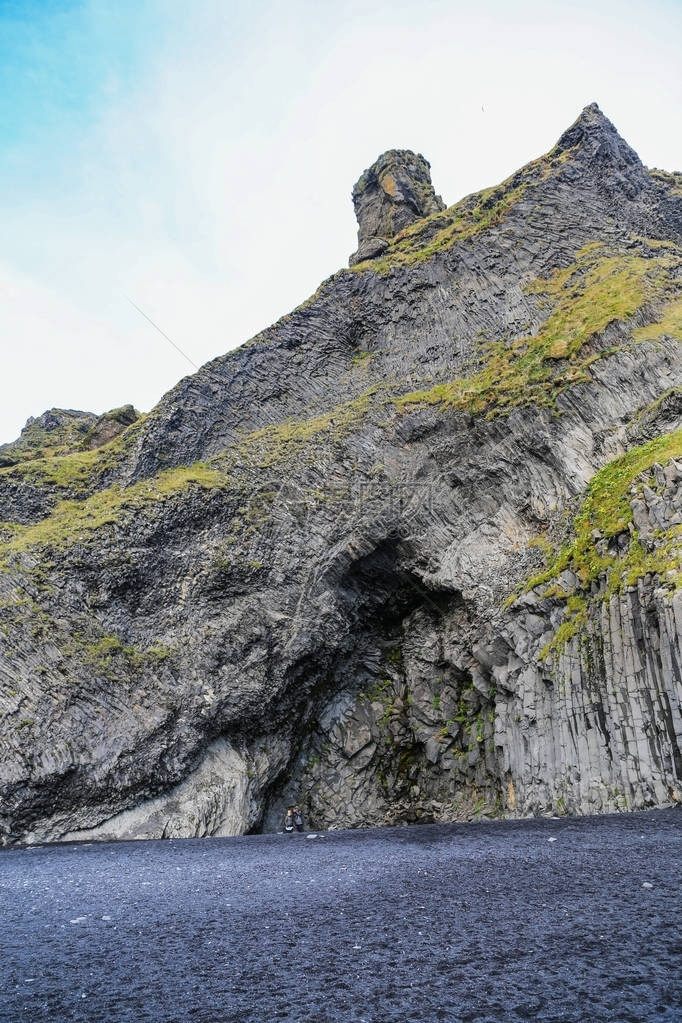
<point x="412" y="553"/>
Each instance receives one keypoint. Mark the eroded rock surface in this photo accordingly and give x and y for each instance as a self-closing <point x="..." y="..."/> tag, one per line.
<point x="391" y="194"/>
<point x="412" y="553"/>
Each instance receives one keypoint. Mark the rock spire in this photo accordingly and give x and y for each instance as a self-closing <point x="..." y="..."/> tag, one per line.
<point x="391" y="194"/>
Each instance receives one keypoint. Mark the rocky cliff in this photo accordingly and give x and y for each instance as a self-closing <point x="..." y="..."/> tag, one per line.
<point x="412" y="553"/>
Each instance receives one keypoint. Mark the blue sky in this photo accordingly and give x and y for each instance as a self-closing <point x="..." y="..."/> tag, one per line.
<point x="60" y="61"/>
<point x="197" y="159"/>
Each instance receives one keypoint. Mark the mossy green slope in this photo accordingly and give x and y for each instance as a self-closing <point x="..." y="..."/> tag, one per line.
<point x="67" y="433"/>
<point x="277" y="447"/>
<point x="602" y="287"/>
<point x="75" y="521"/>
<point x="468" y="218"/>
<point x="606" y="513"/>
<point x="76" y="472"/>
<point x="61" y="432"/>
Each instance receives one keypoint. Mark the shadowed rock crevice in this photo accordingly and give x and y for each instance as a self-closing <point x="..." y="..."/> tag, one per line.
<point x="396" y="733"/>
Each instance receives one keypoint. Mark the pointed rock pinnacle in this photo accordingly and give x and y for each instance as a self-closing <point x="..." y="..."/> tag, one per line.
<point x="392" y="194"/>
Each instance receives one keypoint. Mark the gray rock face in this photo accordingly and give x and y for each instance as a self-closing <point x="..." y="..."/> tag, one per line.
<point x="391" y="194"/>
<point x="410" y="554"/>
<point x="466" y="714"/>
<point x="24" y="497"/>
<point x="603" y="148"/>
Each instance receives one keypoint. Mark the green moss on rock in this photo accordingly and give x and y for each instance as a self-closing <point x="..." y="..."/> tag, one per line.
<point x="284" y="442"/>
<point x="604" y="514"/>
<point x="470" y="217"/>
<point x="600" y="288"/>
<point x="420" y="242"/>
<point x="671" y="180"/>
<point x="76" y="472"/>
<point x="74" y="521"/>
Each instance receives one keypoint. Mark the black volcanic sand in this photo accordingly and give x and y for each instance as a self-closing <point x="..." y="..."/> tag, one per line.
<point x="573" y="919"/>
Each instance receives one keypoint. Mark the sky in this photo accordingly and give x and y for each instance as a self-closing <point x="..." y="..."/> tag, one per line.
<point x="193" y="162"/>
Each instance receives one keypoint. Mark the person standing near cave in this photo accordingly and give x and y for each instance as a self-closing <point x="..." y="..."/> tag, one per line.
<point x="298" y="818"/>
<point x="289" y="820"/>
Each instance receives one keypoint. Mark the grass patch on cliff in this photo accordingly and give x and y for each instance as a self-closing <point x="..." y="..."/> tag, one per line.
<point x="606" y="508"/>
<point x="606" y="513"/>
<point x="600" y="288"/>
<point x="672" y="180"/>
<point x="72" y="472"/>
<point x="109" y="657"/>
<point x="590" y="295"/>
<point x="669" y="400"/>
<point x="421" y="241"/>
<point x="283" y="443"/>
<point x="466" y="219"/>
<point x="82" y="643"/>
<point x="74" y="521"/>
<point x="78" y="472"/>
<point x="668" y="325"/>
<point x="277" y="447"/>
<point x="37" y="441"/>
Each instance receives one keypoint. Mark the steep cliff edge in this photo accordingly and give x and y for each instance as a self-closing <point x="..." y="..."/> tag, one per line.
<point x="412" y="553"/>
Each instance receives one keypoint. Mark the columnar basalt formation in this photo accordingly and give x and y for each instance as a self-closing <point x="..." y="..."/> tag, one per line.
<point x="412" y="553"/>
